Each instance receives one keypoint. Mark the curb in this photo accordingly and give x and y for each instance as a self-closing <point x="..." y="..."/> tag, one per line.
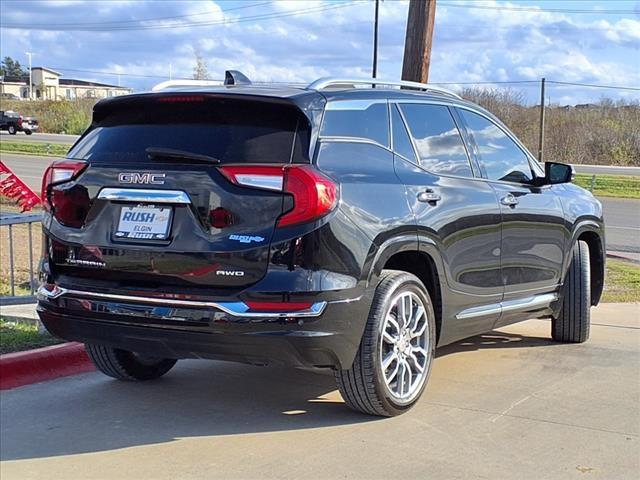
<point x="42" y="364"/>
<point x="622" y="257"/>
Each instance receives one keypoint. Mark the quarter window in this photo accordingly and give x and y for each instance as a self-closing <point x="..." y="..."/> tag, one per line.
<point x="500" y="157"/>
<point x="401" y="141"/>
<point x="437" y="139"/>
<point x="357" y="119"/>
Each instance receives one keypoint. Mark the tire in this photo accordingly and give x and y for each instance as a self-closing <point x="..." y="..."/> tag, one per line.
<point x="28" y="132"/>
<point x="125" y="365"/>
<point x="364" y="387"/>
<point x="572" y="323"/>
<point x="12" y="129"/>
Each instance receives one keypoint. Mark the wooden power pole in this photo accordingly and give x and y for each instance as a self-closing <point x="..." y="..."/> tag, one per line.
<point x="418" y="41"/>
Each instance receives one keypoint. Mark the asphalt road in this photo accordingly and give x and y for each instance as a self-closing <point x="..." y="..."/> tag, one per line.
<point x="509" y="404"/>
<point x="607" y="170"/>
<point x="622" y="216"/>
<point x="38" y="137"/>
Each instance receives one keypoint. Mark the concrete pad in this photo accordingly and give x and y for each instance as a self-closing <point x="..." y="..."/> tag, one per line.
<point x="19" y="313"/>
<point x="509" y="404"/>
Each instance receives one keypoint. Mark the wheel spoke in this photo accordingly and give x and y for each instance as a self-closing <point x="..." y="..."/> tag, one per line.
<point x="418" y="327"/>
<point x="400" y="382"/>
<point x="391" y="356"/>
<point x="418" y="366"/>
<point x="392" y="321"/>
<point x="390" y="377"/>
<point x="388" y="338"/>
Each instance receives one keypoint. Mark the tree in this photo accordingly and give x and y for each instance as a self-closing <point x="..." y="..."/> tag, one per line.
<point x="12" y="68"/>
<point x="200" y="70"/>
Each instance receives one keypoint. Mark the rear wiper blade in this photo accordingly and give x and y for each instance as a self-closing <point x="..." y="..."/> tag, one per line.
<point x="172" y="154"/>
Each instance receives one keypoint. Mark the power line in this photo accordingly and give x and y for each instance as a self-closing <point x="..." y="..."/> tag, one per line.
<point x="537" y="10"/>
<point x="250" y="18"/>
<point x="591" y="85"/>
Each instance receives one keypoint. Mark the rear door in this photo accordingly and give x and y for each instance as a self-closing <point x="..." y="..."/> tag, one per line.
<point x="178" y="222"/>
<point x="458" y="211"/>
<point x="533" y="227"/>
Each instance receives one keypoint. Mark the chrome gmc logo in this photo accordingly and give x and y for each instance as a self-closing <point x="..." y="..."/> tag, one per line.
<point x="147" y="178"/>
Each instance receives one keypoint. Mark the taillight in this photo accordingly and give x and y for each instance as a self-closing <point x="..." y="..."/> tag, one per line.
<point x="314" y="194"/>
<point x="68" y="203"/>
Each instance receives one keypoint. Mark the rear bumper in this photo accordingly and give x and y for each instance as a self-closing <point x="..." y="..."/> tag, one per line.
<point x="326" y="338"/>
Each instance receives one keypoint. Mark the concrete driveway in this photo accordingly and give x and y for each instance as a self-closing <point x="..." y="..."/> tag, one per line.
<point x="506" y="405"/>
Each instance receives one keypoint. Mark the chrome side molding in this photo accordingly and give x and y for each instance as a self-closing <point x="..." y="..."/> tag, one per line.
<point x="236" y="309"/>
<point x="536" y="301"/>
<point x="145" y="195"/>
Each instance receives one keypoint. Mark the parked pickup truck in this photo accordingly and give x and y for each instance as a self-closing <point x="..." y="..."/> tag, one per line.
<point x="13" y="122"/>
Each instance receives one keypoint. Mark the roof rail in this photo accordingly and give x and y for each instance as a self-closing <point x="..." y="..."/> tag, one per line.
<point x="326" y="82"/>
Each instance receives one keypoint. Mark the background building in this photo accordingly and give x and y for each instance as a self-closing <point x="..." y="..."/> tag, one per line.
<point x="47" y="84"/>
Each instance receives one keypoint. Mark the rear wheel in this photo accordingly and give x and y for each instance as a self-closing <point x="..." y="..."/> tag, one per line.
<point x="28" y="132"/>
<point x="396" y="352"/>
<point x="11" y="129"/>
<point x="125" y="365"/>
<point x="572" y="323"/>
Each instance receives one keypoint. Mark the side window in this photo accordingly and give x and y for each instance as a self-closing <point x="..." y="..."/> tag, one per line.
<point x="357" y="119"/>
<point x="500" y="156"/>
<point x="437" y="139"/>
<point x="401" y="141"/>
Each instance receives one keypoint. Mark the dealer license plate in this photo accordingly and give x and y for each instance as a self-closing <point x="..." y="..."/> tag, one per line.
<point x="144" y="223"/>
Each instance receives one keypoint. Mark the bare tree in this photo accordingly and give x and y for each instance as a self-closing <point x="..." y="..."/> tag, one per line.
<point x="200" y="70"/>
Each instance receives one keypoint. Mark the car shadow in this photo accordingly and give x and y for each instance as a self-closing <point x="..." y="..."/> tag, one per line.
<point x="93" y="413"/>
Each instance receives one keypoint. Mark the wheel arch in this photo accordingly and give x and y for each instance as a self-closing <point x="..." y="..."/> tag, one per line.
<point x="404" y="253"/>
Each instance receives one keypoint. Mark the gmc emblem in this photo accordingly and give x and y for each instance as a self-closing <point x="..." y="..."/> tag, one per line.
<point x="146" y="178"/>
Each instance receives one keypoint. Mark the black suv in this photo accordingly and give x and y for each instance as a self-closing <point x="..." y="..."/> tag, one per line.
<point x="336" y="226"/>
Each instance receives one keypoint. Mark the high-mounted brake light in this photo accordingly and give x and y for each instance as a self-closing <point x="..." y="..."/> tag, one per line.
<point x="68" y="205"/>
<point x="314" y="194"/>
<point x="181" y="99"/>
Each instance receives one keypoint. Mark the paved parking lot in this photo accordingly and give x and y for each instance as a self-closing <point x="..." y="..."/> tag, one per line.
<point x="509" y="404"/>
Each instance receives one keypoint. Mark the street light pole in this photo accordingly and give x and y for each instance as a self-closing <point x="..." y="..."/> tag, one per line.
<point x="30" y="78"/>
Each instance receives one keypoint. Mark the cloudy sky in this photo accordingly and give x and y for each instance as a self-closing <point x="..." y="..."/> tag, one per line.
<point x="592" y="42"/>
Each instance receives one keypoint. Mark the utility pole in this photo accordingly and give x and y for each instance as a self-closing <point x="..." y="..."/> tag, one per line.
<point x="375" y="41"/>
<point x="418" y="40"/>
<point x="541" y="138"/>
<point x="30" y="72"/>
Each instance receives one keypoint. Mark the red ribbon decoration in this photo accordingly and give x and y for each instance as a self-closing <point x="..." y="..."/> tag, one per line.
<point x="14" y="188"/>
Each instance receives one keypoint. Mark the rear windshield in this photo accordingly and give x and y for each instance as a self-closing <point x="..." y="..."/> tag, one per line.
<point x="233" y="131"/>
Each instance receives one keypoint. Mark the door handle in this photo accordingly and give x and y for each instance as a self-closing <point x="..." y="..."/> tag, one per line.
<point x="509" y="200"/>
<point x="429" y="196"/>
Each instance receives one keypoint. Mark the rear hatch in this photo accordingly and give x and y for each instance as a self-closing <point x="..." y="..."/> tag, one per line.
<point x="145" y="204"/>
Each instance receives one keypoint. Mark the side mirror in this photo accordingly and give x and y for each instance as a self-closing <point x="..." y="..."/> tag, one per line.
<point x="557" y="173"/>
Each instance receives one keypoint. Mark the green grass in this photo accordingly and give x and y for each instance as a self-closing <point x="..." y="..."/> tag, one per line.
<point x="611" y="185"/>
<point x="18" y="336"/>
<point x="622" y="282"/>
<point x="40" y="149"/>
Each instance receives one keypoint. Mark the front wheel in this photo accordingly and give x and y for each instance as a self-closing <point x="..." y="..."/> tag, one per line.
<point x="396" y="352"/>
<point x="573" y="322"/>
<point x="125" y="365"/>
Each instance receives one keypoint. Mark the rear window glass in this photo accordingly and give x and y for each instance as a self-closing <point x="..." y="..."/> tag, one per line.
<point x="357" y="119"/>
<point x="230" y="130"/>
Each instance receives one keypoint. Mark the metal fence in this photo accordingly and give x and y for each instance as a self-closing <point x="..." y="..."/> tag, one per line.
<point x="15" y="293"/>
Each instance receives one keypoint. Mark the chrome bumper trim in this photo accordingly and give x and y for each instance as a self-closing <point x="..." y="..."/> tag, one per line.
<point x="236" y="309"/>
<point x="144" y="195"/>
